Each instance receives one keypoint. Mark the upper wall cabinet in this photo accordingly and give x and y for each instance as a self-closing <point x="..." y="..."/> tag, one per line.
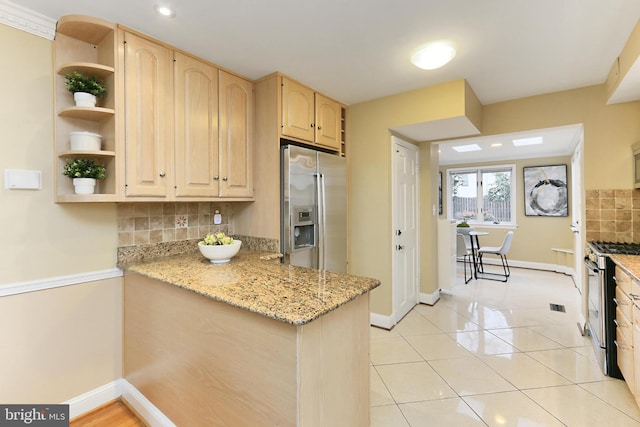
<point x="148" y="73"/>
<point x="169" y="129"/>
<point x="196" y="120"/>
<point x="310" y="116"/>
<point x="86" y="45"/>
<point x="237" y="106"/>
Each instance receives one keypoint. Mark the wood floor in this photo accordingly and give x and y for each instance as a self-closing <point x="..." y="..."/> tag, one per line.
<point x="116" y="413"/>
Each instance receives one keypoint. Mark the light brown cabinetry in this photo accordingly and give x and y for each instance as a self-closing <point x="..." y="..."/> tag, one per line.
<point x="86" y="45"/>
<point x="148" y="87"/>
<point x="311" y="116"/>
<point x="236" y="112"/>
<point x="169" y="130"/>
<point x="196" y="122"/>
<point x="627" y="322"/>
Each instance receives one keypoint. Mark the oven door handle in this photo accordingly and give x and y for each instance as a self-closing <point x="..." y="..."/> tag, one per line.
<point x="591" y="265"/>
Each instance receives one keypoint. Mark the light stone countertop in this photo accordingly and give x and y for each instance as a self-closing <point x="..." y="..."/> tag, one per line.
<point x="630" y="263"/>
<point x="258" y="282"/>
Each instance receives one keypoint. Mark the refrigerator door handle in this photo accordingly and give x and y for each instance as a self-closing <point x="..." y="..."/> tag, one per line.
<point x="322" y="234"/>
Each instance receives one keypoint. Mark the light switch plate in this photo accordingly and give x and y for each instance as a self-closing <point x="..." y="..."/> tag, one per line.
<point x="20" y="179"/>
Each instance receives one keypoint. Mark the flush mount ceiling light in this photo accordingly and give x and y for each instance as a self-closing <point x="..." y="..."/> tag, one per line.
<point x="497" y="144"/>
<point x="466" y="148"/>
<point x="433" y="55"/>
<point x="165" y="11"/>
<point x="527" y="141"/>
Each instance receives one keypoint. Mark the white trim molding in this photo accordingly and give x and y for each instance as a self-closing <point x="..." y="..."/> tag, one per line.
<point x="147" y="410"/>
<point x="95" y="398"/>
<point x="429" y="299"/>
<point x="120" y="388"/>
<point x="58" y="282"/>
<point x="382" y="321"/>
<point x="24" y="19"/>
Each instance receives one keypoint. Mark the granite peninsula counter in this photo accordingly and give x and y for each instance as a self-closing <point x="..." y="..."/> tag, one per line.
<point x="258" y="282"/>
<point x="252" y="342"/>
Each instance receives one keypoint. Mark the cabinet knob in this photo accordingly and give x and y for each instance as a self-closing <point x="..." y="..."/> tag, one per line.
<point x="313" y="124"/>
<point x="319" y="127"/>
<point x="224" y="178"/>
<point x="215" y="178"/>
<point x="162" y="174"/>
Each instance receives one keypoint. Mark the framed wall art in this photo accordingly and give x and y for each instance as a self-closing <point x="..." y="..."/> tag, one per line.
<point x="545" y="191"/>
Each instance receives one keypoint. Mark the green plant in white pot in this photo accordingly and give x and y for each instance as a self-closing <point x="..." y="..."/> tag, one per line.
<point x="85" y="89"/>
<point x="85" y="173"/>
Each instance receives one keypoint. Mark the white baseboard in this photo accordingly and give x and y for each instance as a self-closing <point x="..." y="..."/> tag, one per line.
<point x="120" y="388"/>
<point x="94" y="398"/>
<point x="147" y="410"/>
<point x="57" y="282"/>
<point x="382" y="321"/>
<point x="429" y="299"/>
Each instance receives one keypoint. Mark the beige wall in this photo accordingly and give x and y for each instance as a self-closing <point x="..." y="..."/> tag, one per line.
<point x="535" y="236"/>
<point x="609" y="132"/>
<point x="369" y="148"/>
<point x="61" y="342"/>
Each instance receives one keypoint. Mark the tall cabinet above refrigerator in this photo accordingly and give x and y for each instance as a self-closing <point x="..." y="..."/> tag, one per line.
<point x="313" y="209"/>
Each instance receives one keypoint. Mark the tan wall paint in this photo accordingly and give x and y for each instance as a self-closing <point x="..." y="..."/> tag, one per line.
<point x="535" y="236"/>
<point x="369" y="148"/>
<point x="66" y="341"/>
<point x="609" y="130"/>
<point x="60" y="343"/>
<point x="63" y="233"/>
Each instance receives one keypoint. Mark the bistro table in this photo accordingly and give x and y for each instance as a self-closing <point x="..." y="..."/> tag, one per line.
<point x="475" y="248"/>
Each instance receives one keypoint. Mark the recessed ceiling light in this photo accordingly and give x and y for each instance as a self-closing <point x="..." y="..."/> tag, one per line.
<point x="433" y="55"/>
<point x="527" y="141"/>
<point x="165" y="11"/>
<point x="497" y="144"/>
<point x="465" y="148"/>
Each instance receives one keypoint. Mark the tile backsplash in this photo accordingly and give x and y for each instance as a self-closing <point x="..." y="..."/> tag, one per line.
<point x="149" y="223"/>
<point x="150" y="230"/>
<point x="613" y="215"/>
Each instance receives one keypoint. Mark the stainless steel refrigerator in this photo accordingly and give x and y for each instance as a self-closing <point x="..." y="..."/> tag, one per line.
<point x="313" y="209"/>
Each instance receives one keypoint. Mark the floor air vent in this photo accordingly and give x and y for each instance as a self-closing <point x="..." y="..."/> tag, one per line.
<point x="557" y="307"/>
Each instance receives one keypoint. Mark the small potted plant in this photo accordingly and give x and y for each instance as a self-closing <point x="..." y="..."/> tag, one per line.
<point x="85" y="173"/>
<point x="219" y="248"/>
<point x="85" y="89"/>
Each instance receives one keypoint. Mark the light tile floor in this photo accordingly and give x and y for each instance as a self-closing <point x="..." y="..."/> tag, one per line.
<point x="494" y="354"/>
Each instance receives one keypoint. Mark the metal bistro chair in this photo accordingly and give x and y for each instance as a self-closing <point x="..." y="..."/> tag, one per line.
<point x="500" y="251"/>
<point x="463" y="251"/>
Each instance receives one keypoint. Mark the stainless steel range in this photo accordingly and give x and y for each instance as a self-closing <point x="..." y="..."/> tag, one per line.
<point x="602" y="307"/>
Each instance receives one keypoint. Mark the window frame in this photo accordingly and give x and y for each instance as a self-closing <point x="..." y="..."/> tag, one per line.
<point x="479" y="170"/>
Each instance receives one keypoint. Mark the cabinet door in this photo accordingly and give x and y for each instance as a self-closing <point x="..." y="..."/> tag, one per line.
<point x="196" y="122"/>
<point x="297" y="111"/>
<point x="236" y="136"/>
<point x="148" y="116"/>
<point x="327" y="122"/>
<point x="635" y="387"/>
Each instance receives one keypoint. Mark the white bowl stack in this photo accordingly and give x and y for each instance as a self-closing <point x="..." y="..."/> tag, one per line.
<point x="85" y="141"/>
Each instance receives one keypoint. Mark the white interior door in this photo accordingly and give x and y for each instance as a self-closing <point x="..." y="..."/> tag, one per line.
<point x="405" y="227"/>
<point x="577" y="221"/>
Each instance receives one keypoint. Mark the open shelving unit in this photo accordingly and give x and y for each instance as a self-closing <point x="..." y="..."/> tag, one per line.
<point x="86" y="45"/>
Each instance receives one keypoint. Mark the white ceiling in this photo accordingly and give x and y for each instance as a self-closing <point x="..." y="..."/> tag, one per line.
<point x="357" y="50"/>
<point x="558" y="141"/>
